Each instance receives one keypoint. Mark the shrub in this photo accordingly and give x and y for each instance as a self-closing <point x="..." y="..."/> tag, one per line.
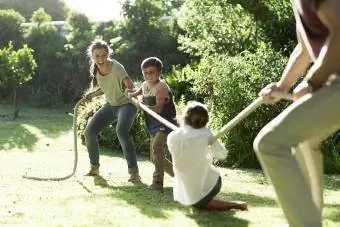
<point x="228" y="85"/>
<point x="108" y="137"/>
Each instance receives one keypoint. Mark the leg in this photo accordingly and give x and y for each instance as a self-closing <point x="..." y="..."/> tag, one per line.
<point x="126" y="116"/>
<point x="152" y="156"/>
<point x="158" y="153"/>
<point x="168" y="168"/>
<point x="209" y="203"/>
<point x="307" y="118"/>
<point x="225" y="205"/>
<point x="310" y="160"/>
<point x="99" y="120"/>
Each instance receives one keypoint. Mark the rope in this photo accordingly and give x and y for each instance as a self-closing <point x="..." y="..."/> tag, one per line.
<point x="75" y="163"/>
<point x="154" y="114"/>
<point x="243" y="114"/>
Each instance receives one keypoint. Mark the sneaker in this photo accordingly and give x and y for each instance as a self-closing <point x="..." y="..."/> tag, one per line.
<point x="134" y="177"/>
<point x="156" y="187"/>
<point x="94" y="171"/>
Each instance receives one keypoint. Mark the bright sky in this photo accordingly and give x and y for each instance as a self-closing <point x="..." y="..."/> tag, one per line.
<point x="96" y="10"/>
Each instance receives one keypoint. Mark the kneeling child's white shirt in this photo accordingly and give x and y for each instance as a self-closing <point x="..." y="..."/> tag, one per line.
<point x="192" y="157"/>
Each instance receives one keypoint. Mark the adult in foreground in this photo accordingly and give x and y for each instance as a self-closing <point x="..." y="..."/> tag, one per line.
<point x="298" y="179"/>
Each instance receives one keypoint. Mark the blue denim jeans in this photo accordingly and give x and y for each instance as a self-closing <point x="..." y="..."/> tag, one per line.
<point x="124" y="116"/>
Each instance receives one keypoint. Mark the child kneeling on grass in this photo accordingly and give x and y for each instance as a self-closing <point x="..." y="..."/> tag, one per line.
<point x="196" y="180"/>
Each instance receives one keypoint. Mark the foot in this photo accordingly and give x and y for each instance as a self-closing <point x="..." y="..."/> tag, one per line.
<point x="241" y="205"/>
<point x="134" y="177"/>
<point x="94" y="171"/>
<point x="156" y="187"/>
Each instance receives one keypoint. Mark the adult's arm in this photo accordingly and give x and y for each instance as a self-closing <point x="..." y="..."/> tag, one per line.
<point x="298" y="63"/>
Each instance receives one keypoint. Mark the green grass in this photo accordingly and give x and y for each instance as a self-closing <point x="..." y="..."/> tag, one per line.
<point x="40" y="144"/>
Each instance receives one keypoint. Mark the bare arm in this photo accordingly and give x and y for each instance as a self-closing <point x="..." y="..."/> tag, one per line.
<point x="298" y="63"/>
<point x="136" y="93"/>
<point x="162" y="97"/>
<point x="128" y="83"/>
<point x="327" y="62"/>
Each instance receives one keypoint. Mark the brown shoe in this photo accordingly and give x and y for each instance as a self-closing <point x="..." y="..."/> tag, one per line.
<point x="156" y="186"/>
<point x="94" y="171"/>
<point x="134" y="177"/>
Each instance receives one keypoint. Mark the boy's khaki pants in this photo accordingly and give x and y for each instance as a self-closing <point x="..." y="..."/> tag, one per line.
<point x="158" y="148"/>
<point x="288" y="151"/>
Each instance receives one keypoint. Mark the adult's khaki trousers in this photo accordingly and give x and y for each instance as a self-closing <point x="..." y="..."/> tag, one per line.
<point x="288" y="150"/>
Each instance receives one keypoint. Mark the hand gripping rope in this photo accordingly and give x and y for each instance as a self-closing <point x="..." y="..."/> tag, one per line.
<point x="75" y="114"/>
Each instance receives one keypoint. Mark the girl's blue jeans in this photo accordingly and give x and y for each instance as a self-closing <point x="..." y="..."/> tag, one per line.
<point x="124" y="116"/>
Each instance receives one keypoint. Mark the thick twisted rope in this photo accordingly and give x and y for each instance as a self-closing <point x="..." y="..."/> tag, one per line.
<point x="75" y="149"/>
<point x="243" y="114"/>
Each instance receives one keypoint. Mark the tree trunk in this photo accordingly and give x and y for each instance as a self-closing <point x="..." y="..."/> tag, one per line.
<point x="16" y="102"/>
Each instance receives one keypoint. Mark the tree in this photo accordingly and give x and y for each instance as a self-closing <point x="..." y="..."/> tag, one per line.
<point x="10" y="27"/>
<point x="56" y="8"/>
<point x="230" y="27"/>
<point x="145" y="32"/>
<point x="16" y="69"/>
<point x="171" y="5"/>
<point x="47" y="44"/>
<point x="81" y="34"/>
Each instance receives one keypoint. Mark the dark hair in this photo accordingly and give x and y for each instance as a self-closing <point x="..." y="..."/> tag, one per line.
<point x="152" y="62"/>
<point x="196" y="115"/>
<point x="96" y="45"/>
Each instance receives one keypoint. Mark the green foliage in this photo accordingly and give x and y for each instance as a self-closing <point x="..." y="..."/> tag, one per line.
<point x="48" y="45"/>
<point x="228" y="85"/>
<point x="144" y="33"/>
<point x="180" y="84"/>
<point x="56" y="8"/>
<point x="74" y="58"/>
<point x="272" y="16"/>
<point x="230" y="26"/>
<point x="108" y="137"/>
<point x="40" y="16"/>
<point x="10" y="27"/>
<point x="331" y="151"/>
<point x="170" y="6"/>
<point x="16" y="67"/>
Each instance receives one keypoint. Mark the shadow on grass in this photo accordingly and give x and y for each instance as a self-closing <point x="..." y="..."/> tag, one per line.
<point x="332" y="182"/>
<point x="252" y="200"/>
<point x="49" y="123"/>
<point x="334" y="214"/>
<point x="16" y="136"/>
<point x="155" y="204"/>
<point x="141" y="158"/>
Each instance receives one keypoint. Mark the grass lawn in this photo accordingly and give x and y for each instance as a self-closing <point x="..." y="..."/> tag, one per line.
<point x="41" y="144"/>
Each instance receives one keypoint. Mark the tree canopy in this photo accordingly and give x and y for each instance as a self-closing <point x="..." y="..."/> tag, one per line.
<point x="56" y="8"/>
